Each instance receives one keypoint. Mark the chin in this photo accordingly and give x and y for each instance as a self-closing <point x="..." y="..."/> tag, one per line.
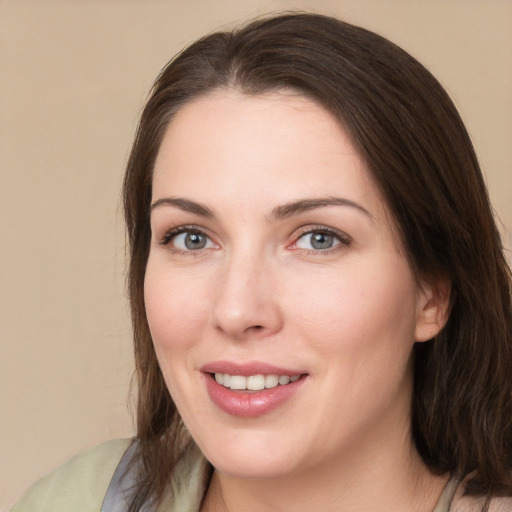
<point x="251" y="460"/>
<point x="254" y="470"/>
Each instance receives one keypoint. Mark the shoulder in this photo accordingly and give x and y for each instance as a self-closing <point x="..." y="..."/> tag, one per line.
<point x="472" y="504"/>
<point x="79" y="485"/>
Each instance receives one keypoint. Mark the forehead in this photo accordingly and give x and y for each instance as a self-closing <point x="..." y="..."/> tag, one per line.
<point x="273" y="147"/>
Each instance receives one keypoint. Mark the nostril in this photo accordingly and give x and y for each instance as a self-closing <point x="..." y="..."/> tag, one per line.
<point x="255" y="329"/>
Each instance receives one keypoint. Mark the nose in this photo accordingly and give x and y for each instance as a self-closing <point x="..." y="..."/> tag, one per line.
<point x="246" y="305"/>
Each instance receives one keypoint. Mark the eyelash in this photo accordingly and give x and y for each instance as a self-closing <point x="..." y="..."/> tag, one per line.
<point x="343" y="239"/>
<point x="170" y="235"/>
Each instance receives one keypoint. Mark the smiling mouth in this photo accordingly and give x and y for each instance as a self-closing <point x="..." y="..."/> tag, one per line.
<point x="257" y="382"/>
<point x="258" y="391"/>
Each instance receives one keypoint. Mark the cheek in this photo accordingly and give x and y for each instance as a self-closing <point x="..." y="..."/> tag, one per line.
<point x="362" y="307"/>
<point x="175" y="308"/>
<point x="177" y="316"/>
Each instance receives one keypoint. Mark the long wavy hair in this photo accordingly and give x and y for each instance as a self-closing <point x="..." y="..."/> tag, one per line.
<point x="419" y="154"/>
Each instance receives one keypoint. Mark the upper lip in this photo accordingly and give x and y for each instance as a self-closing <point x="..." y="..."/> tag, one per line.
<point x="246" y="369"/>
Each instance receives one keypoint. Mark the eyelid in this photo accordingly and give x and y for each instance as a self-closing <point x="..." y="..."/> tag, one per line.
<point x="344" y="239"/>
<point x="166" y="239"/>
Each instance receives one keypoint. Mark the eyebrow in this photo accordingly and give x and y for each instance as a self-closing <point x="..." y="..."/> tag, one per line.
<point x="185" y="205"/>
<point x="278" y="213"/>
<point x="304" y="205"/>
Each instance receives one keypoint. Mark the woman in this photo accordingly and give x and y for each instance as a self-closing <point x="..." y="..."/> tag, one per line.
<point x="320" y="301"/>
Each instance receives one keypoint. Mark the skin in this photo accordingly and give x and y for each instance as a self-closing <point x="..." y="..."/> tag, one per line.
<point x="347" y="316"/>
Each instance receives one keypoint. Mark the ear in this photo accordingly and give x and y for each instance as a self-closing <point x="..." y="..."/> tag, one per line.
<point x="433" y="309"/>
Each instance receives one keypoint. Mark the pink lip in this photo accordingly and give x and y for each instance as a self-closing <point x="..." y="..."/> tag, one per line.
<point x="254" y="403"/>
<point x="246" y="369"/>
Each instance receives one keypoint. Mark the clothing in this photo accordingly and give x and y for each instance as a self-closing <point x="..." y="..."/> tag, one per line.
<point x="81" y="485"/>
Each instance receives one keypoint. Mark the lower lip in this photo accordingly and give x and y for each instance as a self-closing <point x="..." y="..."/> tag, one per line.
<point x="250" y="404"/>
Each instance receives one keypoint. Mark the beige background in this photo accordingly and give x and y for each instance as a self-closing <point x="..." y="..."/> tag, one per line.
<point x="74" y="75"/>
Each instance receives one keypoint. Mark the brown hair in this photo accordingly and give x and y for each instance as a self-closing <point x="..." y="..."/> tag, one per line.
<point x="416" y="147"/>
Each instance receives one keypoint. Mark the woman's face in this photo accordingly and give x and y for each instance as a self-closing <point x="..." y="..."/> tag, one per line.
<point x="273" y="258"/>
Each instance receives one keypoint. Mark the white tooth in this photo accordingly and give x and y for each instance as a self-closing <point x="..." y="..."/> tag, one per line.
<point x="284" y="379"/>
<point x="225" y="380"/>
<point x="271" y="381"/>
<point x="294" y="378"/>
<point x="219" y="378"/>
<point x="256" y="382"/>
<point x="238" y="382"/>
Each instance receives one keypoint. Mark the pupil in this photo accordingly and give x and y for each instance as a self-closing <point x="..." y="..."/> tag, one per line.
<point x="195" y="241"/>
<point x="321" y="241"/>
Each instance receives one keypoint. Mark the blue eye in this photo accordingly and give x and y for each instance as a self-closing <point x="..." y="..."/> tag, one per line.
<point x="319" y="240"/>
<point x="187" y="240"/>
